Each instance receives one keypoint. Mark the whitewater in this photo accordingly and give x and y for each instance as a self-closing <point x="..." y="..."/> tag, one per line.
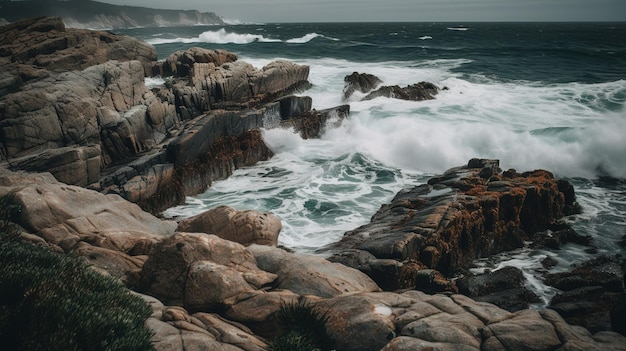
<point x="534" y="96"/>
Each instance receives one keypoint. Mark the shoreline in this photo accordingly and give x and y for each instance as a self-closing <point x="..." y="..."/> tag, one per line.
<point x="183" y="136"/>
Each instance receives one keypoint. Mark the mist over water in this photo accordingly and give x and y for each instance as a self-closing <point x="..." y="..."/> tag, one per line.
<point x="548" y="96"/>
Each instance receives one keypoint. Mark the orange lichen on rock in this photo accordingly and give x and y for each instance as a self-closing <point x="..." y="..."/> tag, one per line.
<point x="468" y="212"/>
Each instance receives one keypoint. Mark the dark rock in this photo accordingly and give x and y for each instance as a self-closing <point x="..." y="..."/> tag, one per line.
<point x="416" y="92"/>
<point x="603" y="271"/>
<point x="618" y="315"/>
<point x="458" y="217"/>
<point x="312" y="124"/>
<point x="553" y="240"/>
<point x="378" y="269"/>
<point x="504" y="288"/>
<point x="588" y="292"/>
<point x="361" y="82"/>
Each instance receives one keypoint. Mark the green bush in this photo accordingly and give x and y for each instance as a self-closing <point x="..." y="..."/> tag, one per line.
<point x="306" y="329"/>
<point x="56" y="302"/>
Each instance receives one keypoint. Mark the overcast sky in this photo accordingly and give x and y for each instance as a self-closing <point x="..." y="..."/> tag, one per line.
<point x="398" y="10"/>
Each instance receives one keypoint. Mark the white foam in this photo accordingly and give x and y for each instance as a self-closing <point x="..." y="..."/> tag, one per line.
<point x="220" y="36"/>
<point x="479" y="118"/>
<point x="324" y="187"/>
<point x="152" y="82"/>
<point x="305" y="39"/>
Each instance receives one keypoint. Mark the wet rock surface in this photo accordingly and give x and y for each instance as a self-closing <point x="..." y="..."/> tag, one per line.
<point x="504" y="287"/>
<point x="588" y="293"/>
<point x="467" y="213"/>
<point x="369" y="86"/>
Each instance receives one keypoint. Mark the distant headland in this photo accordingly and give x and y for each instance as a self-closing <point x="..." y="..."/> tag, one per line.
<point x="98" y="15"/>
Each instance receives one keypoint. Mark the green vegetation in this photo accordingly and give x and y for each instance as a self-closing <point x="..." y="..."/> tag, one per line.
<point x="306" y="329"/>
<point x="56" y="302"/>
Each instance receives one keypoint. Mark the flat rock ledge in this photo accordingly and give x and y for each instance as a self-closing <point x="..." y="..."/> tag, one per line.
<point x="214" y="294"/>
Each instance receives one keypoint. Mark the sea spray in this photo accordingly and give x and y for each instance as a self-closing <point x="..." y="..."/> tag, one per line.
<point x="533" y="95"/>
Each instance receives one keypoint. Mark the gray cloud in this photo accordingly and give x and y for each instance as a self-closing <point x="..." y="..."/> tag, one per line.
<point x="399" y="10"/>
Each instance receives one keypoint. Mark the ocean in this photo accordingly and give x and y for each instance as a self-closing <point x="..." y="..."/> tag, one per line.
<point x="533" y="95"/>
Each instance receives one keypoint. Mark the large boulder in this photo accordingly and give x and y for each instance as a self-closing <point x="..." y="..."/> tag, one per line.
<point x="64" y="214"/>
<point x="416" y="92"/>
<point x="200" y="271"/>
<point x="588" y="292"/>
<point x="114" y="235"/>
<point x="310" y="275"/>
<point x="238" y="85"/>
<point x="359" y="82"/>
<point x="505" y="287"/>
<point x="180" y="63"/>
<point x="244" y="227"/>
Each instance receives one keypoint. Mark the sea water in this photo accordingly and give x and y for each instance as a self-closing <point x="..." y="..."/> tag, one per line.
<point x="533" y="95"/>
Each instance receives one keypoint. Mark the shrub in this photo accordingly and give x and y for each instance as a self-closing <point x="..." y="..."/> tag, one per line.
<point x="56" y="302"/>
<point x="306" y="329"/>
<point x="8" y="216"/>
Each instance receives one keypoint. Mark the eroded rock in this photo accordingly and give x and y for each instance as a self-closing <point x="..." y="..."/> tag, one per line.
<point x="200" y="271"/>
<point x="466" y="213"/>
<point x="244" y="227"/>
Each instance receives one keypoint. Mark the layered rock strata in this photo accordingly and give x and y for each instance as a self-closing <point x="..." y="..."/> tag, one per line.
<point x="75" y="104"/>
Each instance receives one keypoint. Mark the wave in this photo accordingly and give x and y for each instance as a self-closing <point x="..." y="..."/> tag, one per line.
<point x="221" y="36"/>
<point x="457" y="28"/>
<point x="425" y="37"/>
<point x="308" y="37"/>
<point x="305" y="39"/>
<point x="571" y="129"/>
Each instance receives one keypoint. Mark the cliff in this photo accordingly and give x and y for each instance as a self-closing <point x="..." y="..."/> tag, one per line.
<point x="74" y="103"/>
<point x="98" y="15"/>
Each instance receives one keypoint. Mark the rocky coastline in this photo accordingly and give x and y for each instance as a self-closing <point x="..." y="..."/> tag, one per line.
<point x="90" y="154"/>
<point x="88" y="14"/>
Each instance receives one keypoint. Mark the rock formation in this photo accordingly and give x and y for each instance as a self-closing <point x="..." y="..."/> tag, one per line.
<point x="416" y="92"/>
<point x="97" y="142"/>
<point x="466" y="213"/>
<point x="588" y="292"/>
<point x="207" y="292"/>
<point x="366" y="83"/>
<point x="244" y="227"/>
<point x="75" y="104"/>
<point x="359" y="82"/>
